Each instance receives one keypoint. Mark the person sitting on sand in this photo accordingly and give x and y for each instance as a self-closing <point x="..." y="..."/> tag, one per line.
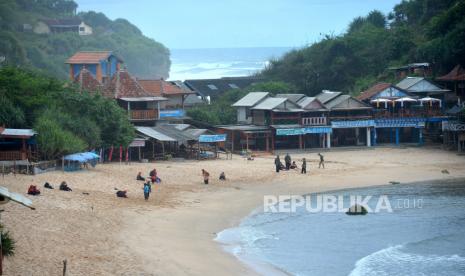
<point x="140" y="177"/>
<point x="64" y="187"/>
<point x="153" y="175"/>
<point x="48" y="186"/>
<point x="293" y="165"/>
<point x="122" y="193"/>
<point x="206" y="176"/>
<point x="222" y="176"/>
<point x="304" y="166"/>
<point x="33" y="190"/>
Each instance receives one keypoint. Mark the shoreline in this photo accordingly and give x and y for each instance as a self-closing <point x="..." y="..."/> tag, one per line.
<point x="229" y="244"/>
<point x="173" y="233"/>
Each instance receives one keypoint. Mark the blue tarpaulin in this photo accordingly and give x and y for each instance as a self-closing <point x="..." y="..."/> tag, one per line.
<point x="401" y="122"/>
<point x="82" y="157"/>
<point x="212" y="138"/>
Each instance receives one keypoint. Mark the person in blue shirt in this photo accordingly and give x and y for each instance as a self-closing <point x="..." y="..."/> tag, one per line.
<point x="147" y="190"/>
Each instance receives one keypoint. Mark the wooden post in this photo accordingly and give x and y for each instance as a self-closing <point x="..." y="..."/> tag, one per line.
<point x="232" y="141"/>
<point x="267" y="142"/>
<point x="64" y="267"/>
<point x="272" y="141"/>
<point x="247" y="141"/>
<point x="300" y="141"/>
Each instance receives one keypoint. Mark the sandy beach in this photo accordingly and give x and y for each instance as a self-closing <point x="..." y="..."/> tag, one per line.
<point x="172" y="233"/>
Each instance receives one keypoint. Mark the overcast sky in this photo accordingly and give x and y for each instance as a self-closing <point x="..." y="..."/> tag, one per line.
<point x="237" y="23"/>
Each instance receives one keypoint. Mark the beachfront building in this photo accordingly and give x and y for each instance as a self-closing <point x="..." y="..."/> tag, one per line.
<point x="351" y="120"/>
<point x="455" y="81"/>
<point x="401" y="116"/>
<point x="285" y="121"/>
<point x="17" y="144"/>
<point x="173" y="109"/>
<point x="101" y="64"/>
<point x="213" y="88"/>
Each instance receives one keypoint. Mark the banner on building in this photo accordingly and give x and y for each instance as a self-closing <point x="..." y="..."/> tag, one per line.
<point x="302" y="131"/>
<point x="174" y="113"/>
<point x="212" y="138"/>
<point x="353" y="124"/>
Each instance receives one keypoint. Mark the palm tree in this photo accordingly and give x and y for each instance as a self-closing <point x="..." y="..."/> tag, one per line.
<point x="8" y="244"/>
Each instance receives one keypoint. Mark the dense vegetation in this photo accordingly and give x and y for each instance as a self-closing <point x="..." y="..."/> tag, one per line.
<point x="415" y="31"/>
<point x="143" y="56"/>
<point x="221" y="111"/>
<point x="67" y="121"/>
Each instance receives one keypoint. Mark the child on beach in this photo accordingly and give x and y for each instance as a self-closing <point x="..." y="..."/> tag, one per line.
<point x="304" y="166"/>
<point x="222" y="176"/>
<point x="293" y="165"/>
<point x="147" y="190"/>
<point x="206" y="176"/>
<point x="322" y="161"/>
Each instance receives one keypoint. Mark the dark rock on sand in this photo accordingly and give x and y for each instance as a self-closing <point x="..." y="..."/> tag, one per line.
<point x="357" y="210"/>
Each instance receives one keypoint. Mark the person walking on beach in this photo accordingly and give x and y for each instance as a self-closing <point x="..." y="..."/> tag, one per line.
<point x="147" y="189"/>
<point x="322" y="161"/>
<point x="287" y="160"/>
<point x="277" y="163"/>
<point x="304" y="166"/>
<point x="206" y="176"/>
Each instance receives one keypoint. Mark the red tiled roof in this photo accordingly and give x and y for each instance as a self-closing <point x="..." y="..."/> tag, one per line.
<point x="457" y="74"/>
<point x="123" y="85"/>
<point x="86" y="81"/>
<point x="162" y="88"/>
<point x="88" y="57"/>
<point x="375" y="89"/>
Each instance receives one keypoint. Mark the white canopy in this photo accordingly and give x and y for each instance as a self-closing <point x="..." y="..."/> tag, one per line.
<point x="381" y="100"/>
<point x="405" y="99"/>
<point x="430" y="100"/>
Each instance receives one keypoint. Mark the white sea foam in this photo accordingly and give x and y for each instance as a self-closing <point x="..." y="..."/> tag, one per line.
<point x="395" y="261"/>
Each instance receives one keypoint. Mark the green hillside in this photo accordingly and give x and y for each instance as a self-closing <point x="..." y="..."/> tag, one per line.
<point x="144" y="57"/>
<point x="415" y="31"/>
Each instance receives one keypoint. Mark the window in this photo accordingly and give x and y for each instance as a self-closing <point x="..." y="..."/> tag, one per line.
<point x="232" y="85"/>
<point x="212" y="87"/>
<point x="82" y="29"/>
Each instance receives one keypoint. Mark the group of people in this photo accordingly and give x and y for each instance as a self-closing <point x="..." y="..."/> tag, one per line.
<point x="33" y="190"/>
<point x="206" y="176"/>
<point x="292" y="165"/>
<point x="148" y="181"/>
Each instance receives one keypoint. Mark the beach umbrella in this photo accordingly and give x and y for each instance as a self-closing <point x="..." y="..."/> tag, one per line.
<point x="380" y="100"/>
<point x="405" y="99"/>
<point x="430" y="100"/>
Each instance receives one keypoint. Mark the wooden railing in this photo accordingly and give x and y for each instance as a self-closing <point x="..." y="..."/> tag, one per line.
<point x="408" y="113"/>
<point x="314" y="121"/>
<point x="12" y="155"/>
<point x="150" y="114"/>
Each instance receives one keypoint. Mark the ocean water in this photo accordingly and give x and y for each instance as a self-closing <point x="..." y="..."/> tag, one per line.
<point x="221" y="62"/>
<point x="423" y="235"/>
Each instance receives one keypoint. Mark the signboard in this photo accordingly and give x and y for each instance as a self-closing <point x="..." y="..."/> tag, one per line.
<point x="353" y="124"/>
<point x="401" y="122"/>
<point x="174" y="113"/>
<point x="212" y="138"/>
<point x="137" y="143"/>
<point x="302" y="131"/>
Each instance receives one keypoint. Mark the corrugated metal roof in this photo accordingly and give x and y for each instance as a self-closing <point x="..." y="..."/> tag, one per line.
<point x="144" y="99"/>
<point x="180" y="126"/>
<point x="269" y="103"/>
<point x="408" y="82"/>
<point x="18" y="132"/>
<point x="196" y="132"/>
<point x="346" y="102"/>
<point x="251" y="99"/>
<point x="151" y="132"/>
<point x="291" y="97"/>
<point x="327" y="95"/>
<point x="174" y="133"/>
